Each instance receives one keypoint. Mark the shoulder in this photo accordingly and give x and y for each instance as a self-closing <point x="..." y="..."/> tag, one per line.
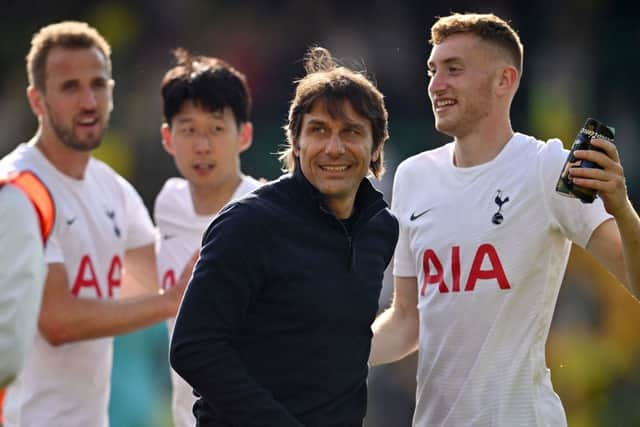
<point x="276" y="190"/>
<point x="98" y="167"/>
<point x="258" y="209"/>
<point x="104" y="174"/>
<point x="422" y="165"/>
<point x="389" y="222"/>
<point x="419" y="161"/>
<point x="238" y="221"/>
<point x="16" y="209"/>
<point x="101" y="171"/>
<point x="550" y="155"/>
<point x="249" y="183"/>
<point x="246" y="186"/>
<point x="20" y="158"/>
<point x="172" y="192"/>
<point x="542" y="149"/>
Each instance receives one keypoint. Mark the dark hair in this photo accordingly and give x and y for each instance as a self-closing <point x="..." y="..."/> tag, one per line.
<point x="68" y="35"/>
<point x="334" y="84"/>
<point x="488" y="27"/>
<point x="210" y="83"/>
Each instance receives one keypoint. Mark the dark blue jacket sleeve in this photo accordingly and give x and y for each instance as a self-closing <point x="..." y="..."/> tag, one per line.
<point x="228" y="273"/>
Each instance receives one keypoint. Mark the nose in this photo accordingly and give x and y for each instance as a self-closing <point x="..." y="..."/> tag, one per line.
<point x="88" y="99"/>
<point x="335" y="145"/>
<point x="202" y="145"/>
<point x="437" y="83"/>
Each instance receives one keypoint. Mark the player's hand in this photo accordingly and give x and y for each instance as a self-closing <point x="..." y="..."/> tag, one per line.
<point x="608" y="181"/>
<point x="176" y="292"/>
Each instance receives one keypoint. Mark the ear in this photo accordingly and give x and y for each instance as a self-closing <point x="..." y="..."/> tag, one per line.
<point x="375" y="155"/>
<point x="507" y="80"/>
<point x="111" y="84"/>
<point x="36" y="101"/>
<point x="246" y="136"/>
<point x="295" y="148"/>
<point x="167" y="143"/>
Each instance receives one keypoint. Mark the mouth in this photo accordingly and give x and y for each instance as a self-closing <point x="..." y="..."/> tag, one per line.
<point x="440" y="105"/>
<point x="87" y="122"/>
<point x="334" y="168"/>
<point x="203" y="168"/>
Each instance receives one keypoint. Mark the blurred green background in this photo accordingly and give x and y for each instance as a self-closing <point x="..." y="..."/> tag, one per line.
<point x="580" y="60"/>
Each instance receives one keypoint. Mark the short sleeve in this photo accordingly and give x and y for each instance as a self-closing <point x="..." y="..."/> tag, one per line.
<point x="576" y="220"/>
<point x="403" y="265"/>
<point x="140" y="230"/>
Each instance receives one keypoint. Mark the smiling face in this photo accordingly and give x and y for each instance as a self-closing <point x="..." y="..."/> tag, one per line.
<point x="462" y="71"/>
<point x="206" y="146"/>
<point x="335" y="154"/>
<point x="76" y="102"/>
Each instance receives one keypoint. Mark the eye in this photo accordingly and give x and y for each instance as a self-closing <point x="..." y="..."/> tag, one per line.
<point x="69" y="86"/>
<point x="99" y="84"/>
<point x="316" y="129"/>
<point x="454" y="69"/>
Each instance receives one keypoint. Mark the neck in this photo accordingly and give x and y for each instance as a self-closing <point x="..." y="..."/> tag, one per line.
<point x="341" y="208"/>
<point x="70" y="162"/>
<point x="481" y="145"/>
<point x="208" y="201"/>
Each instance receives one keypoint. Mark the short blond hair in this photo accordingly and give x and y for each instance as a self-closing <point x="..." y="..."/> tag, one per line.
<point x="68" y="35"/>
<point x="488" y="27"/>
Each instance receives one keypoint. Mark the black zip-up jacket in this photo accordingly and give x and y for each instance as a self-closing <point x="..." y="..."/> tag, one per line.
<point x="275" y="326"/>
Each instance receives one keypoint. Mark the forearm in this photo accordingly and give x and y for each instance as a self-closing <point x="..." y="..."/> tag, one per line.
<point x="80" y="318"/>
<point x="140" y="272"/>
<point x="395" y="335"/>
<point x="629" y="227"/>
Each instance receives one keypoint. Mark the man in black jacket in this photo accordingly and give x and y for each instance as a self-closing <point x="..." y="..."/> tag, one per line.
<point x="275" y="327"/>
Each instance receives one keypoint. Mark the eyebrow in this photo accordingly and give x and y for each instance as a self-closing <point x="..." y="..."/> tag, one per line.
<point x="355" y="125"/>
<point x="348" y="124"/>
<point x="316" y="122"/>
<point x="431" y="64"/>
<point x="188" y="118"/>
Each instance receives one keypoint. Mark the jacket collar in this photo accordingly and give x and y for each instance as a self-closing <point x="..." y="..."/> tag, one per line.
<point x="368" y="199"/>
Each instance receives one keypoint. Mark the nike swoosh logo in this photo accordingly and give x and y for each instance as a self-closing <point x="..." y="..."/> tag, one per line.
<point x="71" y="220"/>
<point x="415" y="216"/>
<point x="168" y="236"/>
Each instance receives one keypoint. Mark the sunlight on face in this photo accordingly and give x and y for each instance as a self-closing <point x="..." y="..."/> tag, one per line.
<point x="335" y="153"/>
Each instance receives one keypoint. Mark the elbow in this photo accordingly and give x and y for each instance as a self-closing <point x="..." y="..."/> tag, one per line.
<point x="181" y="363"/>
<point x="177" y="357"/>
<point x="53" y="331"/>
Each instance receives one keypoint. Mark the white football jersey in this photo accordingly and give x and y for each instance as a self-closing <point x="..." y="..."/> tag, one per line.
<point x="180" y="236"/>
<point x="489" y="246"/>
<point x="97" y="219"/>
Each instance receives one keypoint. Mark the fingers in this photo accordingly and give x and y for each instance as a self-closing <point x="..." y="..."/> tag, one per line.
<point x="608" y="147"/>
<point x="603" y="180"/>
<point x="609" y="186"/>
<point x="609" y="160"/>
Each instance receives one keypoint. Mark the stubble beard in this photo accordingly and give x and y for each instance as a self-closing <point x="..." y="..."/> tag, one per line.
<point x="70" y="139"/>
<point x="469" y="117"/>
